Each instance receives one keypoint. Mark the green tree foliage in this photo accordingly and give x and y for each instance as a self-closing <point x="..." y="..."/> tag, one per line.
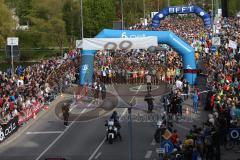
<point x="57" y="23"/>
<point x="98" y="15"/>
<point x="71" y="17"/>
<point x="233" y="7"/>
<point x="46" y="23"/>
<point x="6" y="23"/>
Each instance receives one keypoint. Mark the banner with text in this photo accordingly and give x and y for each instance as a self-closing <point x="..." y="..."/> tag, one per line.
<point x="8" y="129"/>
<point x="119" y="43"/>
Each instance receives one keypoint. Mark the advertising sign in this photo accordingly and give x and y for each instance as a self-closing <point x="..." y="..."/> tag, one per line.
<point x="8" y="129"/>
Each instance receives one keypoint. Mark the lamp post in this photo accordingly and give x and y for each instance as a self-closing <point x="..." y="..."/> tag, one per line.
<point x="212" y="18"/>
<point x="81" y="12"/>
<point x="122" y="13"/>
<point x="130" y="156"/>
<point x="144" y="11"/>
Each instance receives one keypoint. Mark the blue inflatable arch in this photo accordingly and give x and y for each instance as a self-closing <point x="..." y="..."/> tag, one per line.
<point x="181" y="10"/>
<point x="164" y="37"/>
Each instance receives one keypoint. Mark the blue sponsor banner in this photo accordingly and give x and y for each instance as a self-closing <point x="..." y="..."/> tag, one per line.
<point x="7" y="129"/>
<point x="182" y="10"/>
<point x="164" y="37"/>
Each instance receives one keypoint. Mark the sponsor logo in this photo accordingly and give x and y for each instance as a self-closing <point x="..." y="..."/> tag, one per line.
<point x="124" y="35"/>
<point x="85" y="67"/>
<point x="1" y="134"/>
<point x="10" y="129"/>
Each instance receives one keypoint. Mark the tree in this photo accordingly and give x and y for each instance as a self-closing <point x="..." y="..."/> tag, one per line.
<point x="71" y="17"/>
<point x="7" y="24"/>
<point x="58" y="32"/>
<point x="46" y="22"/>
<point x="98" y="15"/>
<point x="233" y="7"/>
<point x="23" y="9"/>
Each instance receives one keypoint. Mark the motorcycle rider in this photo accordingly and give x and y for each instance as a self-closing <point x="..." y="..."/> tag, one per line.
<point x="114" y="117"/>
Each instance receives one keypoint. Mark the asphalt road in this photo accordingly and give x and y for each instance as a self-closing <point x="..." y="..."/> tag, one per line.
<point x="84" y="139"/>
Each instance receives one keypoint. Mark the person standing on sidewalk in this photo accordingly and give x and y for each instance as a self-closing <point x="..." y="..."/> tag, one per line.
<point x="65" y="111"/>
<point x="195" y="101"/>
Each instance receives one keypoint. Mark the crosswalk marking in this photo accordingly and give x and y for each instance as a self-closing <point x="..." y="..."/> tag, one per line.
<point x="148" y="155"/>
<point x="45" y="132"/>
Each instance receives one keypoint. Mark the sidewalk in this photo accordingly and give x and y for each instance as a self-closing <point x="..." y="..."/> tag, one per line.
<point x="30" y="122"/>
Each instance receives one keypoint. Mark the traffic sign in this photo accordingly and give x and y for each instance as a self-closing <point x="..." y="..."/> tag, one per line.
<point x="160" y="150"/>
<point x="216" y="41"/>
<point x="167" y="134"/>
<point x="168" y="146"/>
<point x="213" y="49"/>
<point x="234" y="133"/>
<point x="12" y="41"/>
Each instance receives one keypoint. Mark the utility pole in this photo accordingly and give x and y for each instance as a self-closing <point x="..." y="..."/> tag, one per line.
<point x="122" y="14"/>
<point x="212" y="17"/>
<point x="81" y="12"/>
<point x="144" y="10"/>
<point x="130" y="132"/>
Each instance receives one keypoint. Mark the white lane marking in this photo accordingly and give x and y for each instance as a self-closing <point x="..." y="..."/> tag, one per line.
<point x="124" y="112"/>
<point x="40" y="156"/>
<point x="148" y="155"/>
<point x="83" y="110"/>
<point x="100" y="145"/>
<point x="98" y="155"/>
<point x="136" y="93"/>
<point x="139" y="89"/>
<point x="153" y="143"/>
<point x="44" y="132"/>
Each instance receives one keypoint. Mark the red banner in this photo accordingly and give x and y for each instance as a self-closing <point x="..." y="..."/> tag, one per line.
<point x="194" y="71"/>
<point x="29" y="112"/>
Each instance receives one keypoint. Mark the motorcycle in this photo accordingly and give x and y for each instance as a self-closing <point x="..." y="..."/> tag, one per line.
<point x="112" y="131"/>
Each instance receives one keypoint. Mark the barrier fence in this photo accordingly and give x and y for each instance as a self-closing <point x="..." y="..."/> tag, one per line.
<point x="7" y="129"/>
<point x="30" y="112"/>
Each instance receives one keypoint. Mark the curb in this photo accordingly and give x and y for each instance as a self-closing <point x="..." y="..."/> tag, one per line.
<point x="30" y="122"/>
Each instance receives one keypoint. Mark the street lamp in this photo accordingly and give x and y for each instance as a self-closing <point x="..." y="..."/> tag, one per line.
<point x="81" y="12"/>
<point x="130" y="156"/>
<point x="144" y="10"/>
<point x="122" y="13"/>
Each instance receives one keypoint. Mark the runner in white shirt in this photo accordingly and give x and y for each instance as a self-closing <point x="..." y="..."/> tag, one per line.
<point x="149" y="81"/>
<point x="179" y="84"/>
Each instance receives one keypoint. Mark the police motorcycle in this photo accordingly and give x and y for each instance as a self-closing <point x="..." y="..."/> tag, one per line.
<point x="113" y="129"/>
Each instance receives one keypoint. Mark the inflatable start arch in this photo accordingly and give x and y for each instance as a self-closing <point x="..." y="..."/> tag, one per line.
<point x="181" y="10"/>
<point x="164" y="37"/>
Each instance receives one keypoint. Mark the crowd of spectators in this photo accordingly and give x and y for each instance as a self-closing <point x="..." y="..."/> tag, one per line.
<point x="39" y="82"/>
<point x="221" y="69"/>
<point x="133" y="66"/>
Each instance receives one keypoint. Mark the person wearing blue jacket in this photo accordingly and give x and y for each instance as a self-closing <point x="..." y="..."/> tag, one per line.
<point x="195" y="101"/>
